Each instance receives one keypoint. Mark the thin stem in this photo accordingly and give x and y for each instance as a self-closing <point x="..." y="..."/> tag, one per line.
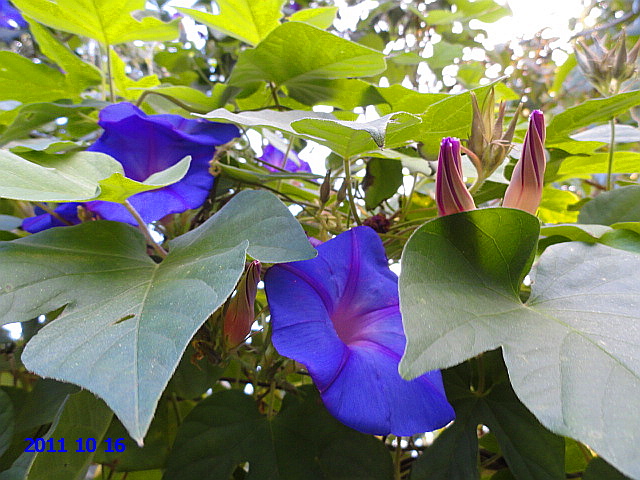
<point x="176" y="408"/>
<point x="53" y="213"/>
<point x="612" y="148"/>
<point x="112" y="95"/>
<point x="274" y="94"/>
<point x="145" y="230"/>
<point x="352" y="201"/>
<point x="397" y="460"/>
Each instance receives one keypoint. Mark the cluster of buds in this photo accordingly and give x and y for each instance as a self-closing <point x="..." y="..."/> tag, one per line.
<point x="606" y="69"/>
<point x="525" y="189"/>
<point x="488" y="145"/>
<point x="240" y="312"/>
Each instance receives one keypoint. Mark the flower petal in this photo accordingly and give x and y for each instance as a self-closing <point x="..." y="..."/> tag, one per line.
<point x="370" y="396"/>
<point x="338" y="314"/>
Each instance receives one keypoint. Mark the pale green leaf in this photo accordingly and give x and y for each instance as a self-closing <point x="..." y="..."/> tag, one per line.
<point x="56" y="178"/>
<point x="128" y="319"/>
<point x="247" y="20"/>
<point x="321" y="17"/>
<point x="78" y="73"/>
<point x="28" y="82"/>
<point x="318" y="55"/>
<point x="572" y="350"/>
<point x="108" y="21"/>
<point x="117" y="188"/>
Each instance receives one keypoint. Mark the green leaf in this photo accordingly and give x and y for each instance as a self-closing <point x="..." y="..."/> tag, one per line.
<point x="191" y="380"/>
<point x="266" y="118"/>
<point x="117" y="188"/>
<point x="602" y="133"/>
<point x="454" y="454"/>
<point x="128" y="319"/>
<point x="108" y="21"/>
<point x="226" y="429"/>
<point x="321" y="17"/>
<point x="57" y="178"/>
<point x="6" y="422"/>
<point x="449" y="117"/>
<point x="617" y="205"/>
<point x="248" y="21"/>
<point x="23" y="80"/>
<point x="382" y="181"/>
<point x="589" y="112"/>
<point x="84" y="416"/>
<point x="157" y="445"/>
<point x="318" y="55"/>
<point x="554" y="206"/>
<point x="585" y="166"/>
<point x="576" y="233"/>
<point x="599" y="469"/>
<point x="347" y="138"/>
<point x="79" y="74"/>
<point x="571" y="352"/>
<point x="530" y="450"/>
<point x="193" y="100"/>
<point x="31" y="116"/>
<point x="345" y="94"/>
<point x="125" y="86"/>
<point x="402" y="99"/>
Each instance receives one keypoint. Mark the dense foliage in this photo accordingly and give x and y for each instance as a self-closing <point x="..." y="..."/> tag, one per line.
<point x="201" y="214"/>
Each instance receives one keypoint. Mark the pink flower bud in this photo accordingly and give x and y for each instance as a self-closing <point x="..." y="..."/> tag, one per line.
<point x="240" y="314"/>
<point x="452" y="195"/>
<point x="525" y="189"/>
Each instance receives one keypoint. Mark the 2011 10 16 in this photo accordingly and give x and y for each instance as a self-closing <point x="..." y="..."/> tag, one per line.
<point x="82" y="445"/>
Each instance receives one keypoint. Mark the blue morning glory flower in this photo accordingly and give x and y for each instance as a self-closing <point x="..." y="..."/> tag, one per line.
<point x="10" y="17"/>
<point x="274" y="156"/>
<point x="146" y="144"/>
<point x="338" y="315"/>
<point x="67" y="214"/>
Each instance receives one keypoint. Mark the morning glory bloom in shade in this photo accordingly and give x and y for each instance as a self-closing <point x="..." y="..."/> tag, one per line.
<point x="525" y="188"/>
<point x="44" y="220"/>
<point x="10" y="17"/>
<point x="146" y="144"/>
<point x="452" y="195"/>
<point x="338" y="315"/>
<point x="274" y="156"/>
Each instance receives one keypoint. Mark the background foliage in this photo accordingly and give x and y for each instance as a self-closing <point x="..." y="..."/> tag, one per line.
<point x="542" y="363"/>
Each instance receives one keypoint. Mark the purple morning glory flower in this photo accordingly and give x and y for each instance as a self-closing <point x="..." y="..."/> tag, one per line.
<point x="44" y="220"/>
<point x="274" y="156"/>
<point x="146" y="144"/>
<point x="10" y="17"/>
<point x="338" y="315"/>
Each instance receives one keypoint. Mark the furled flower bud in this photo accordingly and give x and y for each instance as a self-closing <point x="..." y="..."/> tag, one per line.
<point x="240" y="315"/>
<point x="488" y="145"/>
<point x="525" y="189"/>
<point x="452" y="195"/>
<point x="607" y="68"/>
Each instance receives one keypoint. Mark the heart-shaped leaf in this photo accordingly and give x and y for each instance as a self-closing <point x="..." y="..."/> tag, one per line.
<point x="572" y="350"/>
<point x="128" y="319"/>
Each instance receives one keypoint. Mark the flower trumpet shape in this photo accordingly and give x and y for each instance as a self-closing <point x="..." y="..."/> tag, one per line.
<point x="240" y="314"/>
<point x="338" y="315"/>
<point x="146" y="144"/>
<point x="525" y="189"/>
<point x="452" y="195"/>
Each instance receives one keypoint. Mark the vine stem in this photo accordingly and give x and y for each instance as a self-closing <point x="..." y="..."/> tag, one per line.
<point x="612" y="148"/>
<point x="397" y="460"/>
<point x="145" y="230"/>
<point x="112" y="95"/>
<point x="352" y="201"/>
